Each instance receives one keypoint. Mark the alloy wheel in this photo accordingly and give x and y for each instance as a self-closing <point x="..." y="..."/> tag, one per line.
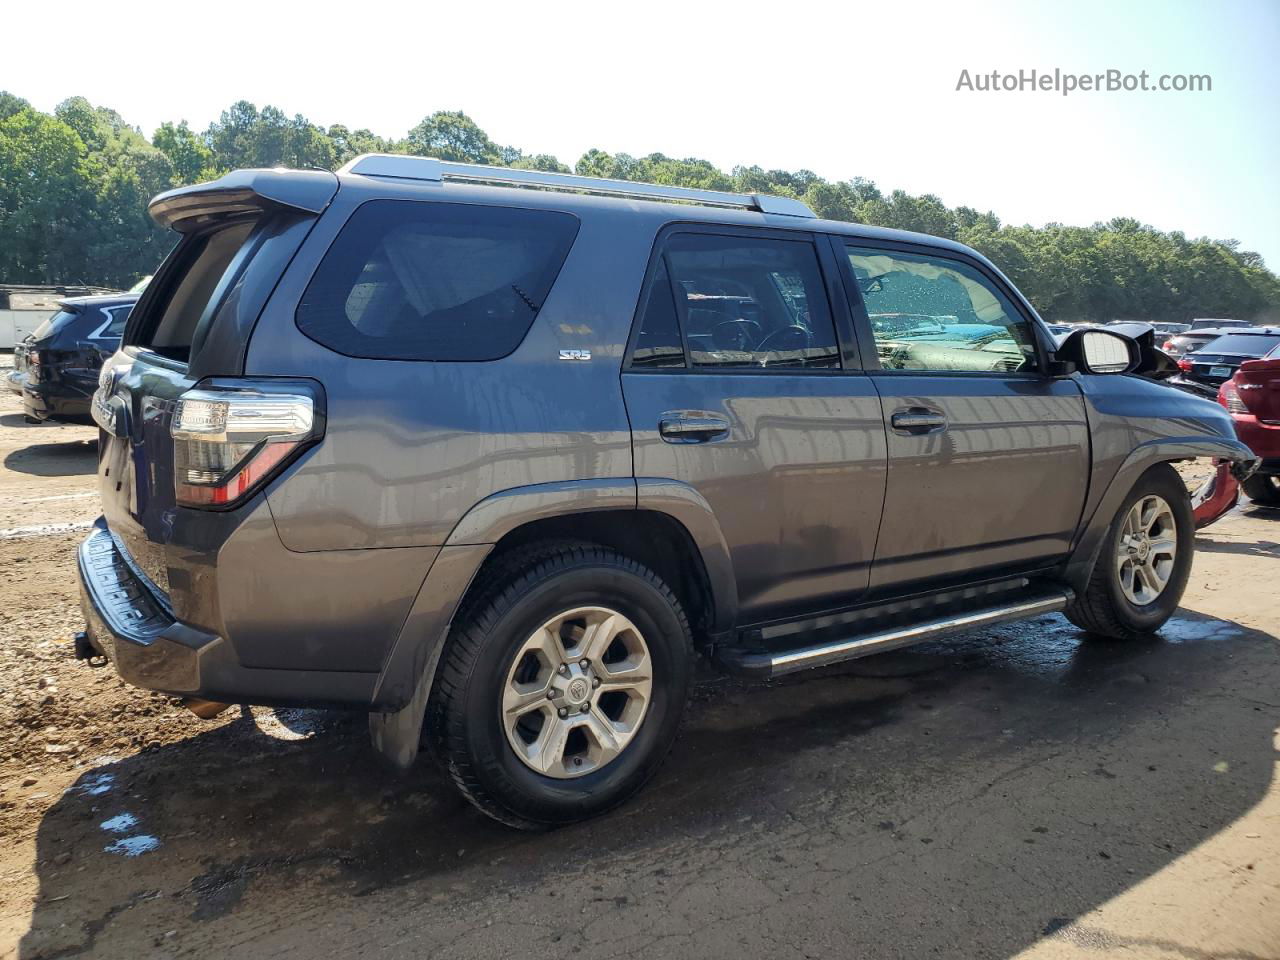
<point x="1146" y="549"/>
<point x="577" y="691"/>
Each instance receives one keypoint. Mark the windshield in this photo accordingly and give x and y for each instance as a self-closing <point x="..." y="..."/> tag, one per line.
<point x="53" y="324"/>
<point x="1243" y="344"/>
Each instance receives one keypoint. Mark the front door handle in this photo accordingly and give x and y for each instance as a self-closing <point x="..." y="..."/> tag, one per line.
<point x="692" y="428"/>
<point x="918" y="421"/>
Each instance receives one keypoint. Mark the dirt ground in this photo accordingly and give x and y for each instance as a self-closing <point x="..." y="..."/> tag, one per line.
<point x="1012" y="792"/>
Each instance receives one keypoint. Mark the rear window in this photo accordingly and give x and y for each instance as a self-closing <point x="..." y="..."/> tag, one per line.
<point x="1242" y="344"/>
<point x="190" y="288"/>
<point x="407" y="280"/>
<point x="53" y="324"/>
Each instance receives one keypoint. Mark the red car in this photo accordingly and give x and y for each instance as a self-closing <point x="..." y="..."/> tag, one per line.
<point x="1252" y="397"/>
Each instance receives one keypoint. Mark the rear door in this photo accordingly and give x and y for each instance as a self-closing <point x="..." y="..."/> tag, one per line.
<point x="737" y="385"/>
<point x="988" y="458"/>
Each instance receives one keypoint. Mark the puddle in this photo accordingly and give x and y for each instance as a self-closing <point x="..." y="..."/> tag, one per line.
<point x="1180" y="630"/>
<point x="133" y="846"/>
<point x="119" y="824"/>
<point x="96" y="785"/>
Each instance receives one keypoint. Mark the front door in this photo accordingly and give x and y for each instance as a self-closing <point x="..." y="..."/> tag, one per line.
<point x="736" y="385"/>
<point x="988" y="458"/>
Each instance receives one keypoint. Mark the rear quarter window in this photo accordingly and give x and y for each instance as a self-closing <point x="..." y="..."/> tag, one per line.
<point x="410" y="280"/>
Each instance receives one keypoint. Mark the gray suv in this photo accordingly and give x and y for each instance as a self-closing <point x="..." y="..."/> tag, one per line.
<point x="493" y="454"/>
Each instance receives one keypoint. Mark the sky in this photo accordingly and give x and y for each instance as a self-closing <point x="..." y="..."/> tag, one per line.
<point x="851" y="89"/>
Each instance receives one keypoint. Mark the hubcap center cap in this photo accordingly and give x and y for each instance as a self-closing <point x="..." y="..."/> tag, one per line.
<point x="577" y="691"/>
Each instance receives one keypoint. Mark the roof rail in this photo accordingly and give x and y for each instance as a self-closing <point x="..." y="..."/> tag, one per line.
<point x="407" y="167"/>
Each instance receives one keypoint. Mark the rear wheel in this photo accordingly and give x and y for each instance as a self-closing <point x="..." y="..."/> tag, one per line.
<point x="1263" y="489"/>
<point x="562" y="686"/>
<point x="1144" y="562"/>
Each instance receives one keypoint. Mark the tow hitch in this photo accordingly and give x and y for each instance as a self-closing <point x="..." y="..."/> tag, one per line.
<point x="85" y="651"/>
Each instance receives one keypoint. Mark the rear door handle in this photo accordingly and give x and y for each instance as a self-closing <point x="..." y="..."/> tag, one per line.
<point x="916" y="422"/>
<point x="691" y="428"/>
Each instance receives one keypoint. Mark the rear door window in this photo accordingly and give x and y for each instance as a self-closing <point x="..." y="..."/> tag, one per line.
<point x="408" y="280"/>
<point x="743" y="302"/>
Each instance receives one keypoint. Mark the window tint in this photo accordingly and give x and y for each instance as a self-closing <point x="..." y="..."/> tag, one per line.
<point x="658" y="342"/>
<point x="751" y="302"/>
<point x="930" y="313"/>
<point x="119" y="316"/>
<point x="406" y="280"/>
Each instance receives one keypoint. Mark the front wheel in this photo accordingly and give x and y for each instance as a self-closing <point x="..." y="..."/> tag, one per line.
<point x="1144" y="562"/>
<point x="562" y="686"/>
<point x="1263" y="489"/>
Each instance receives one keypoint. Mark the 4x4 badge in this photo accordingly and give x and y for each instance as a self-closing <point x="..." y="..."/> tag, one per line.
<point x="575" y="354"/>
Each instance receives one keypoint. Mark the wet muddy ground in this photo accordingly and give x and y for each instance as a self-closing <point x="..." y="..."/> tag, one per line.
<point x="1014" y="790"/>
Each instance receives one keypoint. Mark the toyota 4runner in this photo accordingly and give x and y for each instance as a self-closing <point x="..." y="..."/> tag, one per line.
<point x="493" y="454"/>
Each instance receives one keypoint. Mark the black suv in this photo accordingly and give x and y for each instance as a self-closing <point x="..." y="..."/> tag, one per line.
<point x="56" y="366"/>
<point x="492" y="454"/>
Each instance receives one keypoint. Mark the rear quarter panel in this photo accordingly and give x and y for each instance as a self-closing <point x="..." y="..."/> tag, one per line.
<point x="410" y="446"/>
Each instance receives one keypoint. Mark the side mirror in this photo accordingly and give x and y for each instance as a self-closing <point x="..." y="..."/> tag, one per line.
<point x="1099" y="351"/>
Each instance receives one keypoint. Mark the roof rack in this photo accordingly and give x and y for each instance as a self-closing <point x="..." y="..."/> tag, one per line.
<point x="406" y="167"/>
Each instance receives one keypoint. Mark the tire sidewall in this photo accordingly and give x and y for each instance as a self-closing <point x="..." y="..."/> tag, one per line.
<point x="1164" y="483"/>
<point x="502" y="773"/>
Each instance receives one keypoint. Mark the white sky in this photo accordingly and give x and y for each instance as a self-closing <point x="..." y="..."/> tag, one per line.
<point x="845" y="89"/>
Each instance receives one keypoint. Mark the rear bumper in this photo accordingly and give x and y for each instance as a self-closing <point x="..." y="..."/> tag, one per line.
<point x="1262" y="438"/>
<point x="149" y="648"/>
<point x="52" y="401"/>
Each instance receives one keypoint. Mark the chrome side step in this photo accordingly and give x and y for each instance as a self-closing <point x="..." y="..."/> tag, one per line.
<point x="767" y="665"/>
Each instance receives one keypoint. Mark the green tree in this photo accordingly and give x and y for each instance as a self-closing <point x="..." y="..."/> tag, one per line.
<point x="191" y="157"/>
<point x="46" y="195"/>
<point x="452" y="135"/>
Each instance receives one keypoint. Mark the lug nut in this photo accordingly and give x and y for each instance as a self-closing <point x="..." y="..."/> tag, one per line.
<point x="577" y="761"/>
<point x="564" y="712"/>
<point x="595" y="681"/>
<point x="586" y="707"/>
<point x="564" y="668"/>
<point x="584" y="663"/>
<point x="551" y="694"/>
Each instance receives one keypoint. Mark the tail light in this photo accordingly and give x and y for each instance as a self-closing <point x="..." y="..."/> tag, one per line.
<point x="34" y="363"/>
<point x="1229" y="397"/>
<point x="1184" y="365"/>
<point x="227" y="442"/>
<point x="1168" y="346"/>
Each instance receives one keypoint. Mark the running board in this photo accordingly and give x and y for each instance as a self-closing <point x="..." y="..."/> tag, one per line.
<point x="767" y="665"/>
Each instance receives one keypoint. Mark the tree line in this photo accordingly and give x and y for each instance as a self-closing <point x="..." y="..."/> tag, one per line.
<point x="74" y="187"/>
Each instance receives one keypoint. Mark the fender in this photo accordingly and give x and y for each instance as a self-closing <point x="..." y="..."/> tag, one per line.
<point x="690" y="509"/>
<point x="400" y="698"/>
<point x="1145" y="456"/>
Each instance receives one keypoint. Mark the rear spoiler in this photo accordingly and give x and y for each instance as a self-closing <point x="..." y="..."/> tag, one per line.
<point x="243" y="191"/>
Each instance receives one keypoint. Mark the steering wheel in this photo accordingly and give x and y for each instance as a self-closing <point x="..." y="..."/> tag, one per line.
<point x="734" y="334"/>
<point x="794" y="337"/>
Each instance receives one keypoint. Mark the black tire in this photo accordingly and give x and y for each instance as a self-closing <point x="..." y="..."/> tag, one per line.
<point x="1263" y="489"/>
<point x="1103" y="610"/>
<point x="520" y="591"/>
